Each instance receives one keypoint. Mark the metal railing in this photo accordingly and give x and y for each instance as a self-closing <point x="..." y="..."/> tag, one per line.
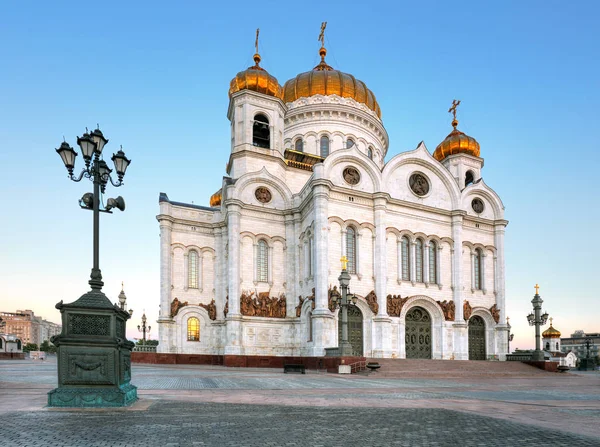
<point x="144" y="348"/>
<point x="358" y="366"/>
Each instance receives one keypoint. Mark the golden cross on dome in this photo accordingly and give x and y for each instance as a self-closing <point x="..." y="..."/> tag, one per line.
<point x="256" y="41"/>
<point x="452" y="109"/>
<point x="122" y="284"/>
<point x="507" y="319"/>
<point x="344" y="261"/>
<point x="537" y="289"/>
<point x="322" y="35"/>
<point x="551" y="321"/>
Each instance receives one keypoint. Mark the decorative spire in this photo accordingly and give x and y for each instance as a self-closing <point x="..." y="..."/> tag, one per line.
<point x="537" y="289"/>
<point x="452" y="110"/>
<point x="322" y="51"/>
<point x="551" y="321"/>
<point x="256" y="55"/>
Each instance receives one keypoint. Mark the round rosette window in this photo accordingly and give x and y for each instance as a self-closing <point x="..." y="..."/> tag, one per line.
<point x="419" y="184"/>
<point x="263" y="195"/>
<point x="477" y="205"/>
<point x="351" y="175"/>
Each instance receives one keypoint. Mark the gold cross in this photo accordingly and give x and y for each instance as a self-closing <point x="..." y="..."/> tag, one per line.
<point x="537" y="289"/>
<point x="551" y="321"/>
<point x="122" y="285"/>
<point x="256" y="41"/>
<point x="322" y="35"/>
<point x="344" y="261"/>
<point x="507" y="318"/>
<point x="452" y="109"/>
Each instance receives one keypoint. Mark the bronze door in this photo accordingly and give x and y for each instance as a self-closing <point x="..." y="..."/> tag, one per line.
<point x="418" y="334"/>
<point x="355" y="329"/>
<point x="476" y="338"/>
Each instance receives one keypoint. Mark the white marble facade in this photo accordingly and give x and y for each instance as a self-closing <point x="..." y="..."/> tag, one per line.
<point x="304" y="226"/>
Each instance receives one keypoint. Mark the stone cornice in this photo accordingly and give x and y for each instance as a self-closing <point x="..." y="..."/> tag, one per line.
<point x="244" y="96"/>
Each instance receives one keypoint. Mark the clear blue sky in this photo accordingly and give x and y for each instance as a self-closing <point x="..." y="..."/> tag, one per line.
<point x="155" y="75"/>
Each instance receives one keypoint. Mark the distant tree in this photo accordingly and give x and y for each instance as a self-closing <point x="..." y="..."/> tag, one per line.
<point x="47" y="346"/>
<point x="30" y="347"/>
<point x="147" y="343"/>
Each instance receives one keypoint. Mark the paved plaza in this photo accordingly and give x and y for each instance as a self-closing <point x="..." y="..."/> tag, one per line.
<point x="184" y="405"/>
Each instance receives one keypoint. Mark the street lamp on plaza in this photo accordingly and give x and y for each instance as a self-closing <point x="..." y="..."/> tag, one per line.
<point x="346" y="299"/>
<point x="123" y="300"/>
<point x="144" y="329"/>
<point x="94" y="367"/>
<point x="537" y="319"/>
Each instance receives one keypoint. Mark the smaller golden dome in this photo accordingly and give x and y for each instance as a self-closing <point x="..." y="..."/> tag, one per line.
<point x="551" y="332"/>
<point x="456" y="142"/>
<point x="257" y="79"/>
<point x="216" y="198"/>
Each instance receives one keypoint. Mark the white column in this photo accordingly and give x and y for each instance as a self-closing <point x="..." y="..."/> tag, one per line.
<point x="457" y="295"/>
<point x="499" y="230"/>
<point x="426" y="263"/>
<point x="399" y="256"/>
<point x="255" y="263"/>
<point x="186" y="270"/>
<point x="233" y="218"/>
<point x="291" y="294"/>
<point x="438" y="265"/>
<point x="381" y="337"/>
<point x="217" y="272"/>
<point x="200" y="270"/>
<point x="270" y="265"/>
<point x="473" y="271"/>
<point x="483" y="278"/>
<point x="344" y="234"/>
<point x="165" y="269"/>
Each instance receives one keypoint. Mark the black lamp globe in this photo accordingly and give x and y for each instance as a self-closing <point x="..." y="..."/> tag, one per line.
<point x="121" y="163"/>
<point x="98" y="138"/>
<point x="67" y="154"/>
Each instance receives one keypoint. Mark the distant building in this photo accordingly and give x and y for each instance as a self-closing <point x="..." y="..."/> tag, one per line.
<point x="551" y="344"/>
<point x="576" y="343"/>
<point x="28" y="327"/>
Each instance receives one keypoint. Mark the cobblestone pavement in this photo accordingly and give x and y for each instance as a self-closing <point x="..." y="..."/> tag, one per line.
<point x="204" y="405"/>
<point x="183" y="424"/>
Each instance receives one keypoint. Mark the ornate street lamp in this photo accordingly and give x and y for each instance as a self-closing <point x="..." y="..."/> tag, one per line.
<point x="123" y="300"/>
<point x="511" y="336"/>
<point x="537" y="319"/>
<point x="143" y="329"/>
<point x="94" y="367"/>
<point x="346" y="299"/>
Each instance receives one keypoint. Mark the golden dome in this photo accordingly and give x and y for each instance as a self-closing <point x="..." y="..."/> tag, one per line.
<point x="257" y="79"/>
<point x="456" y="142"/>
<point x="216" y="198"/>
<point x="324" y="80"/>
<point x="551" y="332"/>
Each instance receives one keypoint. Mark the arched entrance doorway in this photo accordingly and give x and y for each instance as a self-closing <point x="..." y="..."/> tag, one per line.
<point x="355" y="329"/>
<point x="418" y="334"/>
<point x="476" y="338"/>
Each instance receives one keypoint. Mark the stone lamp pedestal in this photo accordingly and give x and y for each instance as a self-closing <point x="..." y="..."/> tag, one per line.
<point x="94" y="357"/>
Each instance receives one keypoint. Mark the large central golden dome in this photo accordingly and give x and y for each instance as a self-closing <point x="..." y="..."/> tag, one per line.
<point x="324" y="80"/>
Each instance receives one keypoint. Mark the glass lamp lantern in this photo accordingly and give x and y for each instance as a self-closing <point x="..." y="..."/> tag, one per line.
<point x="98" y="138"/>
<point x="67" y="154"/>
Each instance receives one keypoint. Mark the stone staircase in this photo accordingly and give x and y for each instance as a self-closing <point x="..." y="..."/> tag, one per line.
<point x="396" y="368"/>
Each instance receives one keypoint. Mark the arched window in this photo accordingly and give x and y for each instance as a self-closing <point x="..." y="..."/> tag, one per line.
<point x="1" y="342"/>
<point x="477" y="270"/>
<point x="262" y="262"/>
<point x="547" y="346"/>
<point x="557" y="346"/>
<point x="370" y="152"/>
<point x="193" y="328"/>
<point x="261" y="134"/>
<point x="419" y="260"/>
<point x="349" y="143"/>
<point x="405" y="244"/>
<point x="324" y="146"/>
<point x="299" y="145"/>
<point x="193" y="269"/>
<point x="310" y="325"/>
<point x="433" y="262"/>
<point x="351" y="249"/>
<point x="469" y="178"/>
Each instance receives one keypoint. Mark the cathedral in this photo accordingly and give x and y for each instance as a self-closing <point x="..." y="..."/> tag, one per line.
<point x="307" y="184"/>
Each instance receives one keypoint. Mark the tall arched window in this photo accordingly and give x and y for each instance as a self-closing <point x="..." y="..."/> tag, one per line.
<point x="193" y="329"/>
<point x="299" y="145"/>
<point x="349" y="143"/>
<point x="262" y="262"/>
<point x="370" y="152"/>
<point x="351" y="249"/>
<point x="324" y="146"/>
<point x="261" y="134"/>
<point x="433" y="262"/>
<point x="405" y="244"/>
<point x="419" y="260"/>
<point x="477" y="269"/>
<point x="547" y="346"/>
<point x="557" y="346"/>
<point x="193" y="269"/>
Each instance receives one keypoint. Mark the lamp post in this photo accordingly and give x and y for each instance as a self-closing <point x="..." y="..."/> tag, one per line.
<point x="144" y="329"/>
<point x="510" y="335"/>
<point x="123" y="300"/>
<point x="345" y="348"/>
<point x="94" y="355"/>
<point x="537" y="319"/>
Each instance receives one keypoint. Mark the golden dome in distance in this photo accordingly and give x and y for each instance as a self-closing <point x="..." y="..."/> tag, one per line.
<point x="324" y="80"/>
<point x="456" y="142"/>
<point x="256" y="78"/>
<point x="551" y="332"/>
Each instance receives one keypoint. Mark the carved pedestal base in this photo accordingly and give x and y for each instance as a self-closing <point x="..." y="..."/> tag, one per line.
<point x="93" y="396"/>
